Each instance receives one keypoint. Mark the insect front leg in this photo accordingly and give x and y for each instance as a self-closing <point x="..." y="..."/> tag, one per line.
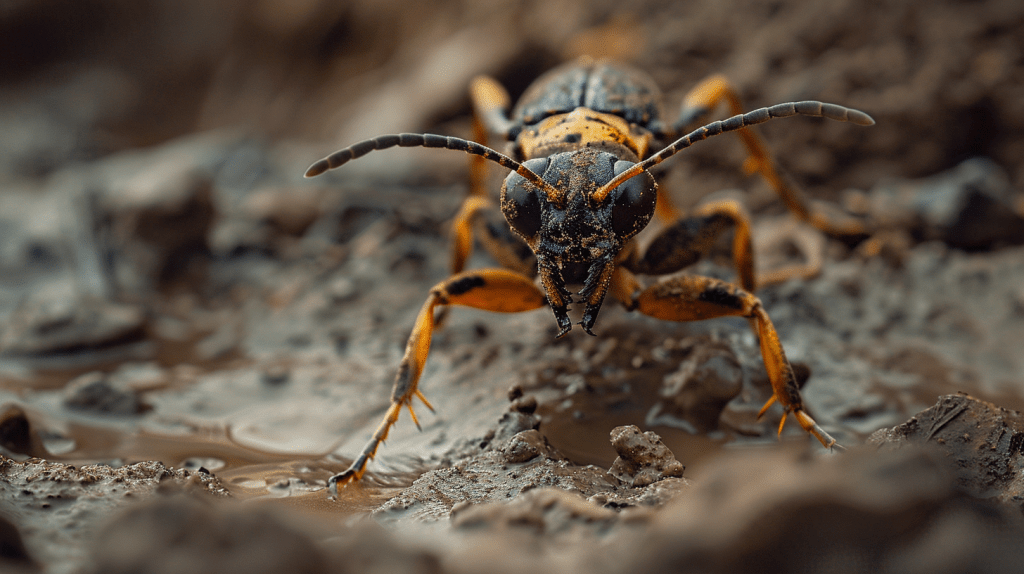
<point x="697" y="298"/>
<point x="497" y="290"/>
<point x="712" y="92"/>
<point x="480" y="219"/>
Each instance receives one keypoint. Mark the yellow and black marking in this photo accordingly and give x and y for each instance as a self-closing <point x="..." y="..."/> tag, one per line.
<point x="584" y="128"/>
<point x="579" y="191"/>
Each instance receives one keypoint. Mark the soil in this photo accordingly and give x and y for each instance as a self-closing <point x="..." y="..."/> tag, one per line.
<point x="193" y="338"/>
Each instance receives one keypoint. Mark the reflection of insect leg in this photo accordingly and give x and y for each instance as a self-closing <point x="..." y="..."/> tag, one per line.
<point x="688" y="239"/>
<point x="496" y="290"/>
<point x="697" y="298"/>
<point x="703" y="99"/>
<point x="807" y="241"/>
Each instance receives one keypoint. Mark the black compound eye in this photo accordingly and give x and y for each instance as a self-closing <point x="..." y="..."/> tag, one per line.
<point x="633" y="202"/>
<point x="520" y="201"/>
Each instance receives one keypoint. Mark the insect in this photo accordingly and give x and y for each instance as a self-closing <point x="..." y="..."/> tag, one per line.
<point x="578" y="193"/>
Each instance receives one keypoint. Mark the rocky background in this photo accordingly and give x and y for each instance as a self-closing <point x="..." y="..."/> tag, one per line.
<point x="193" y="338"/>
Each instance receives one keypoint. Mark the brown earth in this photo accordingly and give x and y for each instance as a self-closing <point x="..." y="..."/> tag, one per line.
<point x="194" y="339"/>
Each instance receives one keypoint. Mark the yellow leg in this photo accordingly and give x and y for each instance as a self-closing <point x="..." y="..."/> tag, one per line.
<point x="808" y="242"/>
<point x="704" y="98"/>
<point x="462" y="230"/>
<point x="495" y="290"/>
<point x="697" y="298"/>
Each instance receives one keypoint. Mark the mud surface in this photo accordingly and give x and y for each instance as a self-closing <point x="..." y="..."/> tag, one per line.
<point x="193" y="338"/>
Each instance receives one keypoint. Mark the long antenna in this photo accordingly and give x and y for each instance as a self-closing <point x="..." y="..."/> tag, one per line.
<point x="758" y="116"/>
<point x="357" y="150"/>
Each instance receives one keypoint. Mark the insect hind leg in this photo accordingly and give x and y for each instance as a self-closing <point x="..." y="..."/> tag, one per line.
<point x="715" y="90"/>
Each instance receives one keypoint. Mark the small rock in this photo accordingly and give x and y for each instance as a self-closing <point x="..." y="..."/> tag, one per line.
<point x="526" y="405"/>
<point x="643" y="458"/>
<point x="968" y="207"/>
<point x="276" y="375"/>
<point x="525" y="446"/>
<point x="514" y="392"/>
<point x="511" y="424"/>
<point x="162" y="213"/>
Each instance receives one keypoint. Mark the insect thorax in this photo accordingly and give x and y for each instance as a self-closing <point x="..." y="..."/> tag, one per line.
<point x="584" y="128"/>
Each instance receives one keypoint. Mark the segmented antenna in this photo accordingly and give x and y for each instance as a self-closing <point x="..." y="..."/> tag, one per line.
<point x="759" y="116"/>
<point x="357" y="150"/>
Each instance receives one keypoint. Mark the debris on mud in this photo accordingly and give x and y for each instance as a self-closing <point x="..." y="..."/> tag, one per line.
<point x="59" y="506"/>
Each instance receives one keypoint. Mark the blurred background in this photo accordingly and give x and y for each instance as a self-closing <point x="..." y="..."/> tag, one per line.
<point x="80" y="80"/>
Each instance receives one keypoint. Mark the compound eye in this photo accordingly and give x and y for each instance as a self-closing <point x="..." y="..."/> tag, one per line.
<point x="633" y="202"/>
<point x="520" y="201"/>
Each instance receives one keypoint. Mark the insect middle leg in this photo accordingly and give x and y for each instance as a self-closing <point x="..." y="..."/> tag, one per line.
<point x="690" y="238"/>
<point x="711" y="92"/>
<point x="693" y="298"/>
<point x="497" y="290"/>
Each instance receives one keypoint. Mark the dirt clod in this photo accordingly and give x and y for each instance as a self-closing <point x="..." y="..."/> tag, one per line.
<point x="643" y="458"/>
<point x="526" y="405"/>
<point x="982" y="441"/>
<point x="525" y="446"/>
<point x="547" y="510"/>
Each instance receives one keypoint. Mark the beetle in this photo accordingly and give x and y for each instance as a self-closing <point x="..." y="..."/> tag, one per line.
<point x="578" y="193"/>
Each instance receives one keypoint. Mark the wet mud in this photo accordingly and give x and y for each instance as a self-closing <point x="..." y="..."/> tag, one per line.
<point x="194" y="339"/>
